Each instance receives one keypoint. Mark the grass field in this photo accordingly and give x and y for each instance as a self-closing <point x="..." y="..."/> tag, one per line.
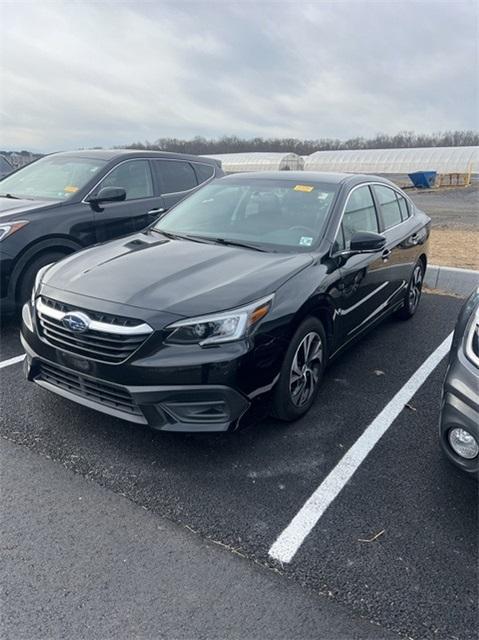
<point x="455" y="248"/>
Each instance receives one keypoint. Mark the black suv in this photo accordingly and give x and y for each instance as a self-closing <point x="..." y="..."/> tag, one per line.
<point x="66" y="201"/>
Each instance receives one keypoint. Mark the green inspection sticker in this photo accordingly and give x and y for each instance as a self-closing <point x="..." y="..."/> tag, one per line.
<point x="305" y="241"/>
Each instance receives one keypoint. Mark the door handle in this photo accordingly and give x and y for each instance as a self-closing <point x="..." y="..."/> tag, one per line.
<point x="385" y="254"/>
<point x="154" y="211"/>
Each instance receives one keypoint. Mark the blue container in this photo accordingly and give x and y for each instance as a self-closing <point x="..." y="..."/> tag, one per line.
<point x="423" y="179"/>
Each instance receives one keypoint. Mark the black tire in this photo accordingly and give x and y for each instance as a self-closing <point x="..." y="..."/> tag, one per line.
<point x="413" y="292"/>
<point x="27" y="278"/>
<point x="289" y="402"/>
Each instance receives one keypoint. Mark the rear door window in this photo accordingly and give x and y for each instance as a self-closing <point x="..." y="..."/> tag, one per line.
<point x="175" y="176"/>
<point x="390" y="210"/>
<point x="403" y="206"/>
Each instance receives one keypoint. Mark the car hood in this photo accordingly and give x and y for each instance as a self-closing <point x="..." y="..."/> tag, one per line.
<point x="11" y="207"/>
<point x="181" y="277"/>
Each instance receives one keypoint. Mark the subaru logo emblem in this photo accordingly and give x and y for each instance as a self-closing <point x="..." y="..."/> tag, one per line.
<point x="76" y="321"/>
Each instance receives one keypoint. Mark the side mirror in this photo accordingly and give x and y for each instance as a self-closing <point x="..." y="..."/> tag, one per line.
<point x="108" y="194"/>
<point x="366" y="242"/>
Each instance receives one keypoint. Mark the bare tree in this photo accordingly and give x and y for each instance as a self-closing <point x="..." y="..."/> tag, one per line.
<point x="233" y="144"/>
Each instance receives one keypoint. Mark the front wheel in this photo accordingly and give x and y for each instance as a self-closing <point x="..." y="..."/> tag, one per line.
<point x="27" y="279"/>
<point x="413" y="292"/>
<point x="301" y="371"/>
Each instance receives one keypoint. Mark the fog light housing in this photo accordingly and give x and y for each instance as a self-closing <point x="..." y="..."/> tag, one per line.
<point x="190" y="412"/>
<point x="463" y="443"/>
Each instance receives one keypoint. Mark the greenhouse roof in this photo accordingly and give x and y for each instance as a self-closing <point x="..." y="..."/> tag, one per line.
<point x="259" y="161"/>
<point x="440" y="159"/>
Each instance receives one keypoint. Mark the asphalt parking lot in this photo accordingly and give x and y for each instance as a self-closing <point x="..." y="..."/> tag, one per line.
<point x="398" y="545"/>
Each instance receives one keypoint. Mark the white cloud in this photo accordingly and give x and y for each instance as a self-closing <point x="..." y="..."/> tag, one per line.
<point x="85" y="74"/>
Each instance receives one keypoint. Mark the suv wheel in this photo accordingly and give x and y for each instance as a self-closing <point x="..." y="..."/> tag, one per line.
<point x="27" y="278"/>
<point x="301" y="372"/>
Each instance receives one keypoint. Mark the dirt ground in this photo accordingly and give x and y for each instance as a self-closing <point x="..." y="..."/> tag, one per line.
<point x="454" y="247"/>
<point x="455" y="224"/>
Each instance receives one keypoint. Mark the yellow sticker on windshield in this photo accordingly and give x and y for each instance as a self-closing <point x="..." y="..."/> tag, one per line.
<point x="70" y="189"/>
<point x="303" y="187"/>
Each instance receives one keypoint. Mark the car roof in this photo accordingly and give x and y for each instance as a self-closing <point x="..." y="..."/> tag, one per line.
<point x="115" y="154"/>
<point x="317" y="177"/>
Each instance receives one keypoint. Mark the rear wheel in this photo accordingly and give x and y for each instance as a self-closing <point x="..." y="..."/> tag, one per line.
<point x="413" y="292"/>
<point x="301" y="372"/>
<point x="27" y="278"/>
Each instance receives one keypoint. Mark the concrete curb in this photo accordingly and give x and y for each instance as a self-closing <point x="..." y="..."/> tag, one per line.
<point x="451" y="279"/>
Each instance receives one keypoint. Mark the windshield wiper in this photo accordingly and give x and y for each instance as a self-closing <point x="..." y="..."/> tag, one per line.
<point x="9" y="195"/>
<point x="211" y="240"/>
<point x="165" y="233"/>
<point x="176" y="236"/>
<point x="235" y="243"/>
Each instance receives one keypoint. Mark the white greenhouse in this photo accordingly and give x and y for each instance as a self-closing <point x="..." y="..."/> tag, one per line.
<point x="396" y="161"/>
<point x="259" y="161"/>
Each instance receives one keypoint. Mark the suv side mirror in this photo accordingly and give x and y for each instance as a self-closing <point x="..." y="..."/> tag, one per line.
<point x="366" y="242"/>
<point x="108" y="194"/>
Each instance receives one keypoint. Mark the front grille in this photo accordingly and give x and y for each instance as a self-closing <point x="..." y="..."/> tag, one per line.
<point x="101" y="392"/>
<point x="94" y="315"/>
<point x="118" y="338"/>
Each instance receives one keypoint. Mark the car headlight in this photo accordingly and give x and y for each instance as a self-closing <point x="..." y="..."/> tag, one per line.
<point x="7" y="228"/>
<point x="220" y="327"/>
<point x="38" y="280"/>
<point x="472" y="339"/>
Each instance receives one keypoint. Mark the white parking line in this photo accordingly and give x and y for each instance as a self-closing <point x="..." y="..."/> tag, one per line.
<point x="290" y="540"/>
<point x="10" y="361"/>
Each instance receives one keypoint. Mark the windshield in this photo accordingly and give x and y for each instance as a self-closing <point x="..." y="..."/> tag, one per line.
<point x="274" y="214"/>
<point x="53" y="178"/>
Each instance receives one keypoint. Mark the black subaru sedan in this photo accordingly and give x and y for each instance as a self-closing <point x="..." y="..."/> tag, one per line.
<point x="66" y="201"/>
<point x="246" y="289"/>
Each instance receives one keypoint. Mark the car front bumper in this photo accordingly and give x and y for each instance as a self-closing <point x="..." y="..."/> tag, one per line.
<point x="191" y="408"/>
<point x="169" y="388"/>
<point x="460" y="408"/>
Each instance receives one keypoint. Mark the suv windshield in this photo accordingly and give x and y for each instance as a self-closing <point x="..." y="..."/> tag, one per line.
<point x="54" y="178"/>
<point x="274" y="214"/>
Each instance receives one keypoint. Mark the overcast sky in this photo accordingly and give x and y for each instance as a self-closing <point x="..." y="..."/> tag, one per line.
<point x="107" y="73"/>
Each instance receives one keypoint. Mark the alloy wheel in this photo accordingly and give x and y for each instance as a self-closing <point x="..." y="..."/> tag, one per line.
<point x="415" y="287"/>
<point x="306" y="369"/>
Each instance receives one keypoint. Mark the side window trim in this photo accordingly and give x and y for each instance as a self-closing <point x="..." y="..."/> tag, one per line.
<point x="339" y="228"/>
<point x="339" y="247"/>
<point x="379" y="213"/>
<point x="380" y="221"/>
<point x="95" y="187"/>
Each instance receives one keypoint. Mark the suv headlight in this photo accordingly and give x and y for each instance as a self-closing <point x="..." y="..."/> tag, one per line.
<point x="7" y="228"/>
<point x="472" y="339"/>
<point x="220" y="327"/>
<point x="38" y="280"/>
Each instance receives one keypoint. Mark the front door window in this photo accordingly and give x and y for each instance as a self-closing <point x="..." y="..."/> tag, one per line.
<point x="134" y="177"/>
